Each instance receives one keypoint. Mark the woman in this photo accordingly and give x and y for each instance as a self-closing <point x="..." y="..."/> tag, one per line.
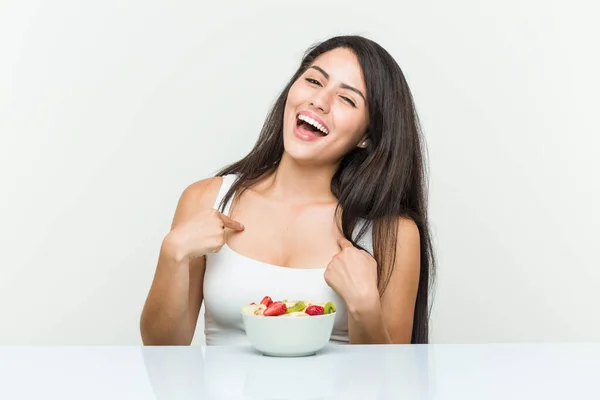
<point x="330" y="204"/>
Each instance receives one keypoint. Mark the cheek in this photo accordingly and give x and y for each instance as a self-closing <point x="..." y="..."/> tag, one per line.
<point x="350" y="124"/>
<point x="296" y="95"/>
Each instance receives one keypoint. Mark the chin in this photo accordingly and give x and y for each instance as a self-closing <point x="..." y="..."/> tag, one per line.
<point x="297" y="150"/>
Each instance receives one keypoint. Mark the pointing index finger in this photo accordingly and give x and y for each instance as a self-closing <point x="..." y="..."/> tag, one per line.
<point x="231" y="223"/>
<point x="344" y="243"/>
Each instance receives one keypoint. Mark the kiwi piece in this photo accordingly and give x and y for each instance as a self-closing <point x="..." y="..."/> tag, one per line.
<point x="299" y="306"/>
<point x="329" y="308"/>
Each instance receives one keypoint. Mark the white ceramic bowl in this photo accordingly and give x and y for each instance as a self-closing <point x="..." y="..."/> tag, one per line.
<point x="289" y="336"/>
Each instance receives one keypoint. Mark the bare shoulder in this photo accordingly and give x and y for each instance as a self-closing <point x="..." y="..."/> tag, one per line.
<point x="196" y="197"/>
<point x="408" y="233"/>
<point x="202" y="193"/>
<point x="408" y="245"/>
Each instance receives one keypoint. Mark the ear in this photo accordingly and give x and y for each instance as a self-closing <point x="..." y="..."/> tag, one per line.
<point x="364" y="142"/>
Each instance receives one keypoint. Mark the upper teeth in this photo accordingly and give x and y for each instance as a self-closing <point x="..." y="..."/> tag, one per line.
<point x="314" y="123"/>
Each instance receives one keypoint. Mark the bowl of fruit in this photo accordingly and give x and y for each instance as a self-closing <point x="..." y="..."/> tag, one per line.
<point x="288" y="328"/>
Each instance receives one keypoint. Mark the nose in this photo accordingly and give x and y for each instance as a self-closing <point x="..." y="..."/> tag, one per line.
<point x="322" y="100"/>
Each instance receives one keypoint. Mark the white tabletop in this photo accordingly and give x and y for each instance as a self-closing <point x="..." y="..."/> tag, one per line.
<point x="542" y="371"/>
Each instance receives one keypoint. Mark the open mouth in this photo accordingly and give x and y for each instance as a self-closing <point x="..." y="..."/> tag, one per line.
<point x="310" y="126"/>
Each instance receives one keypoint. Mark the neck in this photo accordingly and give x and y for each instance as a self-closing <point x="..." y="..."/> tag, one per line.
<point x="300" y="183"/>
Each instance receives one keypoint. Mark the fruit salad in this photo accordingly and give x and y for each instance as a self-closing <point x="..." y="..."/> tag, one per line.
<point x="297" y="308"/>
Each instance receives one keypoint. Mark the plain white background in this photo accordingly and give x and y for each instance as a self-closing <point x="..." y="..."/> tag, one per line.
<point x="108" y="110"/>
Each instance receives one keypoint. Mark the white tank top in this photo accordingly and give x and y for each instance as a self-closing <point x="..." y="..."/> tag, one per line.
<point x="232" y="280"/>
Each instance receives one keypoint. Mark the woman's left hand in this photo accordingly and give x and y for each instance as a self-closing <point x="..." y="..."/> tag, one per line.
<point x="352" y="274"/>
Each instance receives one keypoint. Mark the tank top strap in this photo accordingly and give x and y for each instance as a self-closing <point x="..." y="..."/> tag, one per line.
<point x="228" y="181"/>
<point x="367" y="240"/>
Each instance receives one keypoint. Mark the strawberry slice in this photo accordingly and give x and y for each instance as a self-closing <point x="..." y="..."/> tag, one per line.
<point x="267" y="301"/>
<point x="315" y="310"/>
<point x="275" y="309"/>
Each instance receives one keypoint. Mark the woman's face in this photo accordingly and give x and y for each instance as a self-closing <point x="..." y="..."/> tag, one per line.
<point x="326" y="112"/>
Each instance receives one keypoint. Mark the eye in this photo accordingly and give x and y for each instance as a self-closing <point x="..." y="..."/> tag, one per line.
<point x="349" y="101"/>
<point x="313" y="81"/>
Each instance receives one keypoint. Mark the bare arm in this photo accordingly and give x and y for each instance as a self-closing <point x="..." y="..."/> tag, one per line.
<point x="171" y="310"/>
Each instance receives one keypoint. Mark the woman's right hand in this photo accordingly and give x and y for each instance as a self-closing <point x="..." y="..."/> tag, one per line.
<point x="202" y="234"/>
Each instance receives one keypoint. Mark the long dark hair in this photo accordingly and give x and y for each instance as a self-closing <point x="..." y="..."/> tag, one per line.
<point x="381" y="183"/>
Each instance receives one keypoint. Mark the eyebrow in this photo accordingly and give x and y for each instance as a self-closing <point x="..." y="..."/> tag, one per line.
<point x="343" y="85"/>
